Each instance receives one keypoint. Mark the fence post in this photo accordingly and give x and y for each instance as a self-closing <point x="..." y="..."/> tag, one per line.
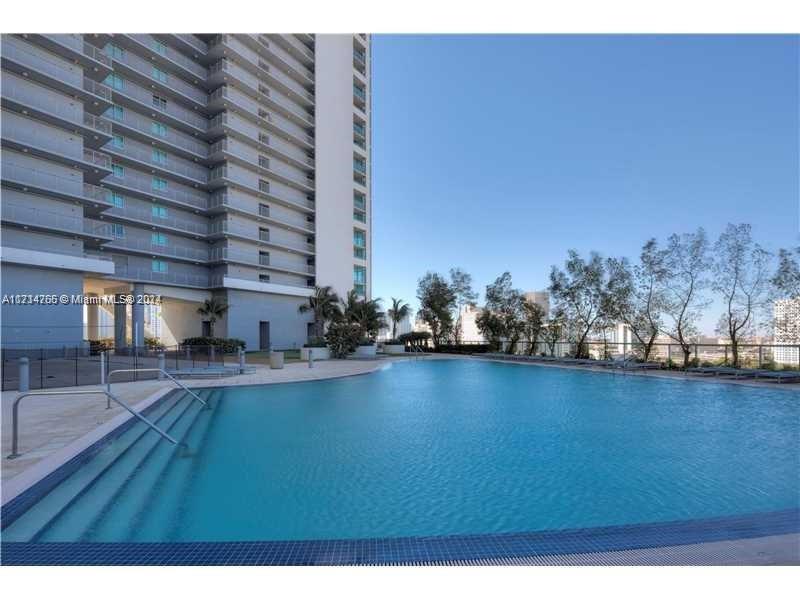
<point x="24" y="374"/>
<point x="212" y="354"/>
<point x="162" y="364"/>
<point x="76" y="366"/>
<point x="41" y="368"/>
<point x="102" y="368"/>
<point x="310" y="358"/>
<point x="241" y="361"/>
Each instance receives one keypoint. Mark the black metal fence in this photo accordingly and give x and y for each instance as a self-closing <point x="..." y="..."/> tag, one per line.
<point x="69" y="366"/>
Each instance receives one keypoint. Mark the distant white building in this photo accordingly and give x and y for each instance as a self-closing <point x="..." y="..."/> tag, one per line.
<point x="542" y="298"/>
<point x="403" y="326"/>
<point x="786" y="315"/>
<point x="469" y="328"/>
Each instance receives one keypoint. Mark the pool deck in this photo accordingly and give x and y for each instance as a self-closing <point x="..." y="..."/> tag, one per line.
<point x="54" y="430"/>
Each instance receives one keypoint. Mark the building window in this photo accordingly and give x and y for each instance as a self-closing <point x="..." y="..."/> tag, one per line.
<point x="263" y="162"/>
<point x="159" y="102"/>
<point x="159" y="184"/>
<point x="263" y="210"/>
<point x="158" y="239"/>
<point x="263" y="258"/>
<point x="117" y="230"/>
<point x="158" y="266"/>
<point x="263" y="138"/>
<point x="114" y="81"/>
<point x="360" y="280"/>
<point x="159" y="47"/>
<point x="119" y="141"/>
<point x="263" y="186"/>
<point x="159" y="75"/>
<point x="359" y="238"/>
<point x="263" y="277"/>
<point x="159" y="156"/>
<point x="263" y="234"/>
<point x="117" y="170"/>
<point x="114" y="51"/>
<point x="116" y="112"/>
<point x="359" y="216"/>
<point x="158" y="129"/>
<point x="117" y="200"/>
<point x="160" y="212"/>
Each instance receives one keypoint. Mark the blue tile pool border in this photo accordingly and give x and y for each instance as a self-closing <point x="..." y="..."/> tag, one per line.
<point x="387" y="551"/>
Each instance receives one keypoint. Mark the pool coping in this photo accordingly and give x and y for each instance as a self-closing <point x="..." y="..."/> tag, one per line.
<point x="499" y="548"/>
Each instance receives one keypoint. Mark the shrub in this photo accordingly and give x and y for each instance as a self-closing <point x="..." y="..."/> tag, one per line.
<point x="227" y="345"/>
<point x="393" y="342"/>
<point x="343" y="338"/>
<point x="98" y="346"/>
<point x="316" y="342"/>
<point x="153" y="343"/>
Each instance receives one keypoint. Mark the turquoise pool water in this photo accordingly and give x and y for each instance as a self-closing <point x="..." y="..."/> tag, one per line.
<point x="435" y="448"/>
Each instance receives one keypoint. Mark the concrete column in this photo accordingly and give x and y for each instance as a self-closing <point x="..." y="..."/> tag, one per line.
<point x="137" y="320"/>
<point x="162" y="364"/>
<point x="92" y="320"/>
<point x="120" y="324"/>
<point x="24" y="374"/>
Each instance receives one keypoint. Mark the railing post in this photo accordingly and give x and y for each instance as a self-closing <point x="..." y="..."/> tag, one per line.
<point x="241" y="361"/>
<point x="162" y="365"/>
<point x="24" y="374"/>
<point x="102" y="368"/>
<point x="310" y="358"/>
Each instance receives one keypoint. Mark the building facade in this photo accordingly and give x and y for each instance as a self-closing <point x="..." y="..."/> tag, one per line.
<point x="183" y="166"/>
<point x="786" y="319"/>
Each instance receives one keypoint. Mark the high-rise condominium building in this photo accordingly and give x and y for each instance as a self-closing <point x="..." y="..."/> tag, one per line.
<point x="234" y="167"/>
<point x="786" y="318"/>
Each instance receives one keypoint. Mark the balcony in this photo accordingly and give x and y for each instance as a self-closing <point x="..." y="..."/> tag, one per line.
<point x="273" y="168"/>
<point x="98" y="159"/>
<point x="150" y="45"/>
<point x="28" y="179"/>
<point x="145" y="246"/>
<point x="360" y="94"/>
<point x="220" y="176"/>
<point x="359" y="61"/>
<point x="192" y="174"/>
<point x="359" y="130"/>
<point x="141" y="216"/>
<point x="180" y="279"/>
<point x="173" y="86"/>
<point x="37" y="218"/>
<point x="360" y="166"/>
<point x="226" y="228"/>
<point x="173" y="113"/>
<point x="254" y="259"/>
<point x="226" y="200"/>
<point x="144" y="126"/>
<point x="144" y="185"/>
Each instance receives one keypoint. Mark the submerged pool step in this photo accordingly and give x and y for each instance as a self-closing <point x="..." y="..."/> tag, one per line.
<point x="134" y="502"/>
<point x="31" y="522"/>
<point x="72" y="523"/>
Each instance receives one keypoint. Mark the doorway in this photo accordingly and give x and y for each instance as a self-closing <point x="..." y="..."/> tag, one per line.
<point x="263" y="335"/>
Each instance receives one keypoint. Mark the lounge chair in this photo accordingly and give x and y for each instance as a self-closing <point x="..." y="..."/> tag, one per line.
<point x="735" y="373"/>
<point x="780" y="376"/>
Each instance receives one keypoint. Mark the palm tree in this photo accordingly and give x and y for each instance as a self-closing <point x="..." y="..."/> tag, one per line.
<point x="367" y="314"/>
<point x="399" y="311"/>
<point x="324" y="304"/>
<point x="212" y="309"/>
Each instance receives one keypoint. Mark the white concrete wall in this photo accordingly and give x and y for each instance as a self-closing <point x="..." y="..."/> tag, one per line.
<point x="334" y="164"/>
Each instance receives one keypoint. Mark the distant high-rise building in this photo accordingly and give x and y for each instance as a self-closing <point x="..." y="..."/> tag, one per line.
<point x="786" y="319"/>
<point x="542" y="298"/>
<point x="187" y="166"/>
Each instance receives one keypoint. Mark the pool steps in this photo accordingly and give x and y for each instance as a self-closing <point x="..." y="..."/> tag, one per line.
<point x="71" y="509"/>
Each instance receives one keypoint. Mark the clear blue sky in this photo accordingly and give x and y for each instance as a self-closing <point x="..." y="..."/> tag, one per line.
<point x="497" y="153"/>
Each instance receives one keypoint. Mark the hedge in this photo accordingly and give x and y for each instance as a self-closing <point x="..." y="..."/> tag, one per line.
<point x="228" y="345"/>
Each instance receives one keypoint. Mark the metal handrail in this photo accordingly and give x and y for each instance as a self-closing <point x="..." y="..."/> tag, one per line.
<point x="15" y="415"/>
<point x="153" y="369"/>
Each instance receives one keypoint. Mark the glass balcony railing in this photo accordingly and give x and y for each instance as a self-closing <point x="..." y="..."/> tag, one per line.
<point x="360" y="165"/>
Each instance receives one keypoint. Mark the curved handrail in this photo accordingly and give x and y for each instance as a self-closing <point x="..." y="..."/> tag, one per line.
<point x="163" y="372"/>
<point x="109" y="395"/>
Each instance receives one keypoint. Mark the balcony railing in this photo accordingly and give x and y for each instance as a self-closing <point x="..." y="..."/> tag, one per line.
<point x="360" y="166"/>
<point x="359" y="93"/>
<point x="231" y="228"/>
<point x="97" y="89"/>
<point x="147" y="216"/>
<point x="173" y="83"/>
<point x="231" y="201"/>
<point x="197" y="174"/>
<point x="174" y="251"/>
<point x="145" y="97"/>
<point x="145" y="185"/>
<point x="26" y="215"/>
<point x="144" y="125"/>
<point x="96" y="54"/>
<point x="137" y="274"/>
<point x="234" y="255"/>
<point x="97" y="228"/>
<point x="37" y="178"/>
<point x="170" y="54"/>
<point x="14" y="50"/>
<point x="98" y="159"/>
<point x="97" y="123"/>
<point x="359" y="56"/>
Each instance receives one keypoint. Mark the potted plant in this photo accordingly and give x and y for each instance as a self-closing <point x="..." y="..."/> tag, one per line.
<point x="316" y="345"/>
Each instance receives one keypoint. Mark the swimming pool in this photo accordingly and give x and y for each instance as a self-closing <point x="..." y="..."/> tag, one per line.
<point x="432" y="448"/>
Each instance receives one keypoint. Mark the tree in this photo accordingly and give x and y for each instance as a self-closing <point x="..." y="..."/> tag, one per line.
<point x="786" y="280"/>
<point x="580" y="292"/>
<point x="504" y="304"/>
<point x="491" y="327"/>
<point x="324" y="305"/>
<point x="342" y="338"/>
<point x="740" y="274"/>
<point x="436" y="302"/>
<point x="533" y="323"/>
<point x="554" y="330"/>
<point x="636" y="295"/>
<point x="365" y="314"/>
<point x="686" y="263"/>
<point x="212" y="309"/>
<point x="461" y="284"/>
<point x="399" y="311"/>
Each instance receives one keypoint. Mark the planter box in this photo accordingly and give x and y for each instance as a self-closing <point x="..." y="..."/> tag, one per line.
<point x="394" y="349"/>
<point x="275" y="360"/>
<point x="365" y="351"/>
<point x="319" y="353"/>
